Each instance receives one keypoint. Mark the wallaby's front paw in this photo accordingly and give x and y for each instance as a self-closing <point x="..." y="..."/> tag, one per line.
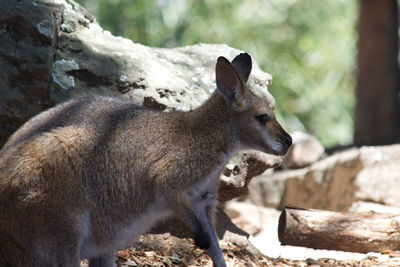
<point x="202" y="241"/>
<point x="219" y="263"/>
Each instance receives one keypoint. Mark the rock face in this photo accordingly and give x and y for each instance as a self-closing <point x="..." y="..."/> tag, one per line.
<point x="341" y="182"/>
<point x="53" y="50"/>
<point x="28" y="40"/>
<point x="241" y="170"/>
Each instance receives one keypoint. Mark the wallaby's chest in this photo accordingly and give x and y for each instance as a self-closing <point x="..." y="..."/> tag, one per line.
<point x="207" y="187"/>
<point x="127" y="233"/>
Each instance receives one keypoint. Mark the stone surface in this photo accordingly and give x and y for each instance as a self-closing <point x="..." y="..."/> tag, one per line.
<point x="252" y="218"/>
<point x="305" y="150"/>
<point x="364" y="207"/>
<point x="28" y="37"/>
<point x="379" y="180"/>
<point x="53" y="50"/>
<point x="367" y="174"/>
<point x="93" y="61"/>
<point x="241" y="169"/>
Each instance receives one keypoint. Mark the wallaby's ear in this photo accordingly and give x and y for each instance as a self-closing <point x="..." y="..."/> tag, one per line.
<point x="229" y="84"/>
<point x="242" y="64"/>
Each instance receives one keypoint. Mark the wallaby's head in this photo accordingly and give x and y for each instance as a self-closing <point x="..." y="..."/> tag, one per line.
<point x="253" y="119"/>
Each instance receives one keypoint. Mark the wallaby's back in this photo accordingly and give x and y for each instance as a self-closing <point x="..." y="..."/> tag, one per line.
<point x="94" y="112"/>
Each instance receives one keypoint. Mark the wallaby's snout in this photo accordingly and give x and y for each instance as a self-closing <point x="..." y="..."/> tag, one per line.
<point x="270" y="137"/>
<point x="285" y="140"/>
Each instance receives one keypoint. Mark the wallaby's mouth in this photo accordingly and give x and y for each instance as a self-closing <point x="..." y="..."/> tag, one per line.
<point x="285" y="141"/>
<point x="280" y="152"/>
<point x="284" y="151"/>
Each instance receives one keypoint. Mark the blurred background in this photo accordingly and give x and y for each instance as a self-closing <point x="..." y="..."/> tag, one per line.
<point x="334" y="63"/>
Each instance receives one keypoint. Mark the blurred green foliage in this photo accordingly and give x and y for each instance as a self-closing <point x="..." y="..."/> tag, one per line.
<point x="309" y="47"/>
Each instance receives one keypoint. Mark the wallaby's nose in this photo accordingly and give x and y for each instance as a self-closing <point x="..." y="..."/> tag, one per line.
<point x="287" y="139"/>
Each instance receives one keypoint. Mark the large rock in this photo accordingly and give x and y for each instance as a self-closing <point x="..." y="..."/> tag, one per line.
<point x="55" y="50"/>
<point x="241" y="170"/>
<point x="28" y="38"/>
<point x="367" y="174"/>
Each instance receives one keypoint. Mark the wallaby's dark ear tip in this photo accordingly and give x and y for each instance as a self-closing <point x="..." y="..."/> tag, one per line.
<point x="242" y="64"/>
<point x="243" y="57"/>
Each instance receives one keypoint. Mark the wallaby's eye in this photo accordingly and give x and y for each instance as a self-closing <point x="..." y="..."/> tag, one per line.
<point x="264" y="118"/>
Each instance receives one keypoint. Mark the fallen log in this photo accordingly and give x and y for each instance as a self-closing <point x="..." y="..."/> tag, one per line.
<point x="354" y="232"/>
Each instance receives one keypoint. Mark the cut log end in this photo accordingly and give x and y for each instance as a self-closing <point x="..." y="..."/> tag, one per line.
<point x="282" y="227"/>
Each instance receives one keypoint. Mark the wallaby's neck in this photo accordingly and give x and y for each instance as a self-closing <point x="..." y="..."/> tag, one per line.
<point x="212" y="122"/>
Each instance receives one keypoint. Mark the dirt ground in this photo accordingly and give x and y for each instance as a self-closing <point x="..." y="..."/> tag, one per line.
<point x="166" y="250"/>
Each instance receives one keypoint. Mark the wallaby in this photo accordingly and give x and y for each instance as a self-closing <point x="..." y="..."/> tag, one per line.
<point x="87" y="177"/>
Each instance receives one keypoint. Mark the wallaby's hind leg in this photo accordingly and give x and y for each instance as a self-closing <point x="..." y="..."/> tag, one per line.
<point x="102" y="261"/>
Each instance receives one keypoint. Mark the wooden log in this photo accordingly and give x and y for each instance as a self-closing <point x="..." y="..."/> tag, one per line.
<point x="354" y="232"/>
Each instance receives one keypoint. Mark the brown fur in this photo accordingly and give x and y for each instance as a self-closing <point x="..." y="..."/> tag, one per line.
<point x="79" y="178"/>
